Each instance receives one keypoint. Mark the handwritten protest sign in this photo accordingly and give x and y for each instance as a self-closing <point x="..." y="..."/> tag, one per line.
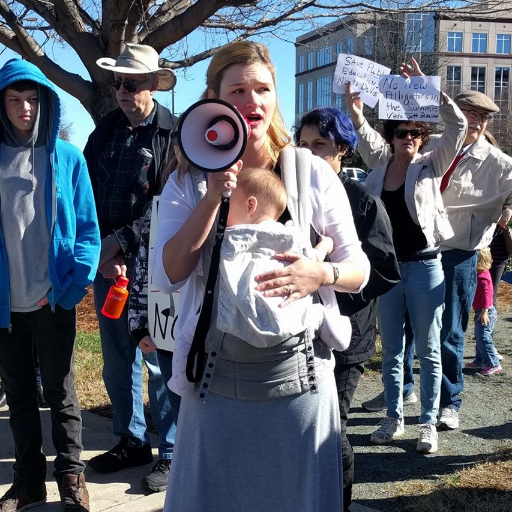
<point x="362" y="74"/>
<point x="414" y="99"/>
<point x="162" y="308"/>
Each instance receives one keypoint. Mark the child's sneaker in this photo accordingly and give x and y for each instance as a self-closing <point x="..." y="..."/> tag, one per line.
<point x="490" y="370"/>
<point x="473" y="365"/>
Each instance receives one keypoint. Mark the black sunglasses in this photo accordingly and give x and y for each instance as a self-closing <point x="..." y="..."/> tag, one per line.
<point x="129" y="85"/>
<point x="402" y="134"/>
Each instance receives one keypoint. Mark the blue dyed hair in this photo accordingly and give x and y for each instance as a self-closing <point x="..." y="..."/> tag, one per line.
<point x="333" y="125"/>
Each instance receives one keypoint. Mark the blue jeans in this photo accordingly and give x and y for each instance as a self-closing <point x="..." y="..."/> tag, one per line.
<point x="485" y="350"/>
<point x="122" y="374"/>
<point x="408" y="357"/>
<point x="421" y="292"/>
<point x="460" y="280"/>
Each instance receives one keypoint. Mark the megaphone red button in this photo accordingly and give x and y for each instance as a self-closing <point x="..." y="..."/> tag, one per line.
<point x="222" y="132"/>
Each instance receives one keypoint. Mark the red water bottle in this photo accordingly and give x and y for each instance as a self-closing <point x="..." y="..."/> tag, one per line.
<point x="116" y="299"/>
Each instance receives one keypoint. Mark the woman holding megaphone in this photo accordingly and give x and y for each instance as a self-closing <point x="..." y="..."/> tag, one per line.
<point x="272" y="442"/>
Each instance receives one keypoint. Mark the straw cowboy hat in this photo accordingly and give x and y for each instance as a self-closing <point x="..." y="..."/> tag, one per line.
<point x="140" y="59"/>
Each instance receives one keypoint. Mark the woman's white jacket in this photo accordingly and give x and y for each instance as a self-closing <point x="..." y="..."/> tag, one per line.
<point x="424" y="174"/>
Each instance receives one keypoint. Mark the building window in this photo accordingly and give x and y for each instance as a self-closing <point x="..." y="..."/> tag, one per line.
<point x="420" y="30"/>
<point x="300" y="99"/>
<point x="454" y="41"/>
<point x="503" y="43"/>
<point x="350" y="45"/>
<point x="339" y="48"/>
<point x="501" y="79"/>
<point x="453" y="80"/>
<point x="339" y="102"/>
<point x="310" y="60"/>
<point x="324" y="56"/>
<point x="478" y="79"/>
<point x="324" y="91"/>
<point x="479" y="43"/>
<point x="309" y="98"/>
<point x="300" y="64"/>
<point x="369" y="44"/>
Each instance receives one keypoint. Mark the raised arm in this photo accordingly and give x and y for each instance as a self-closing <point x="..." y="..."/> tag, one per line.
<point x="452" y="140"/>
<point x="374" y="150"/>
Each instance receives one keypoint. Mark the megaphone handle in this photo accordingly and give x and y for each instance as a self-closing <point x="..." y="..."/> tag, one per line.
<point x="196" y="356"/>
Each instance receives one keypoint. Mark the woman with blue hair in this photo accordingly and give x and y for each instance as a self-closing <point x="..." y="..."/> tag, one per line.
<point x="330" y="135"/>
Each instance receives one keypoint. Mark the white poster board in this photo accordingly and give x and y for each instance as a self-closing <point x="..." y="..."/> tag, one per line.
<point x="162" y="308"/>
<point x="415" y="99"/>
<point x="362" y="74"/>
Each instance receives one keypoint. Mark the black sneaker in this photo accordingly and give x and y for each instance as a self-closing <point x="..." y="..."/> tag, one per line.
<point x="19" y="498"/>
<point x="156" y="480"/>
<point x="122" y="456"/>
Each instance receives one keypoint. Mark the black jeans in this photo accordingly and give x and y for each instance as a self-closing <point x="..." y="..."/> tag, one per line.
<point x="347" y="377"/>
<point x="53" y="335"/>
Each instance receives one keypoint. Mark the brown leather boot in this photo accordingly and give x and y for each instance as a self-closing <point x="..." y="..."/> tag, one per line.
<point x="73" y="493"/>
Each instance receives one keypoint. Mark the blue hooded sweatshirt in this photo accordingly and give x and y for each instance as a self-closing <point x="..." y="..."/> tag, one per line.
<point x="70" y="210"/>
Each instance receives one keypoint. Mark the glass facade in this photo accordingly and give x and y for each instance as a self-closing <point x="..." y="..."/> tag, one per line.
<point x="323" y="91"/>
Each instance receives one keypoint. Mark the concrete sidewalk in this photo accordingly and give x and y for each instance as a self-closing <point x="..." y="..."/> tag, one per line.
<point x="115" y="491"/>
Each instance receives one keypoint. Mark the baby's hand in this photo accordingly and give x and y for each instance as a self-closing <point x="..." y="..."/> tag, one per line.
<point x="323" y="248"/>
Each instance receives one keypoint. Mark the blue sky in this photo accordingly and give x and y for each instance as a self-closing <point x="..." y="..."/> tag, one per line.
<point x="190" y="85"/>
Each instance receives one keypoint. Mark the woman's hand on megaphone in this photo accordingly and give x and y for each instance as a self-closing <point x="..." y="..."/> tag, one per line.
<point x="220" y="182"/>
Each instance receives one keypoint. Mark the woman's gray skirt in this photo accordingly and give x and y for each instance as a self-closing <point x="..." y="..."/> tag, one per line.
<point x="280" y="455"/>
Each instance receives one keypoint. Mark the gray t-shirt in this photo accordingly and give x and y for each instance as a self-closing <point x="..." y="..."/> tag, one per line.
<point x="24" y="224"/>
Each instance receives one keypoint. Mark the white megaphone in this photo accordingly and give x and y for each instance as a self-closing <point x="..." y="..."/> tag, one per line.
<point x="212" y="135"/>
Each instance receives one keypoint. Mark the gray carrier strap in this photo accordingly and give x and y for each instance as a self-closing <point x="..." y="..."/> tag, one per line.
<point x="296" y="176"/>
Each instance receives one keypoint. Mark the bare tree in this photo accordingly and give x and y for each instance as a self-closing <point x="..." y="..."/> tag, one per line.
<point x="95" y="29"/>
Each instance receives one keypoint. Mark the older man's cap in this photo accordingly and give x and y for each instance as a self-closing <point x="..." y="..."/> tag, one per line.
<point x="140" y="59"/>
<point x="476" y="100"/>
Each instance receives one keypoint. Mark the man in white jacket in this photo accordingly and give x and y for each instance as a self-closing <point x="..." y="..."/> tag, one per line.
<point x="477" y="194"/>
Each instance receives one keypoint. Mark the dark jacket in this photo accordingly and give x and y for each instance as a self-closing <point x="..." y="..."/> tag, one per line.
<point x="374" y="230"/>
<point x="162" y="149"/>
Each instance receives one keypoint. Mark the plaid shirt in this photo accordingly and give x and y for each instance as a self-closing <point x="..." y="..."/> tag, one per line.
<point x="122" y="192"/>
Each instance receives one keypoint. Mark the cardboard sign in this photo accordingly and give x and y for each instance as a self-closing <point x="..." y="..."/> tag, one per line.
<point x="413" y="99"/>
<point x="162" y="308"/>
<point x="362" y="74"/>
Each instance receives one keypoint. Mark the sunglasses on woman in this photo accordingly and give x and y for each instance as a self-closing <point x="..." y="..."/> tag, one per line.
<point x="402" y="134"/>
<point x="129" y="85"/>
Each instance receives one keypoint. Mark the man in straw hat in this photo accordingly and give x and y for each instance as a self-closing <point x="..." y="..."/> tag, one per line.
<point x="127" y="155"/>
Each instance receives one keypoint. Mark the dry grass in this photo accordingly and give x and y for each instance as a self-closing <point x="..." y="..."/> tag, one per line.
<point x="485" y="487"/>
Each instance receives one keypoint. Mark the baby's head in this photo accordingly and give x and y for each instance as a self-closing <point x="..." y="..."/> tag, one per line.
<point x="259" y="196"/>
<point x="484" y="260"/>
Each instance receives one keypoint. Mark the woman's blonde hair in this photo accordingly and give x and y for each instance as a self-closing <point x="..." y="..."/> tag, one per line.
<point x="484" y="260"/>
<point x="247" y="53"/>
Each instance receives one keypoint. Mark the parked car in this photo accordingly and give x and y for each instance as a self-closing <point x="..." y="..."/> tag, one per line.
<point x="356" y="174"/>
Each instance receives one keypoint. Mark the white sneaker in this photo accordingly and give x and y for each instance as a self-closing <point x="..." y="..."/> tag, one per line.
<point x="390" y="428"/>
<point x="427" y="439"/>
<point x="378" y="403"/>
<point x="448" y="419"/>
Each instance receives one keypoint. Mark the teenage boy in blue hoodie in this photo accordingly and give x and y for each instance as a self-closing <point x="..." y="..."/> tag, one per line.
<point x="49" y="252"/>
